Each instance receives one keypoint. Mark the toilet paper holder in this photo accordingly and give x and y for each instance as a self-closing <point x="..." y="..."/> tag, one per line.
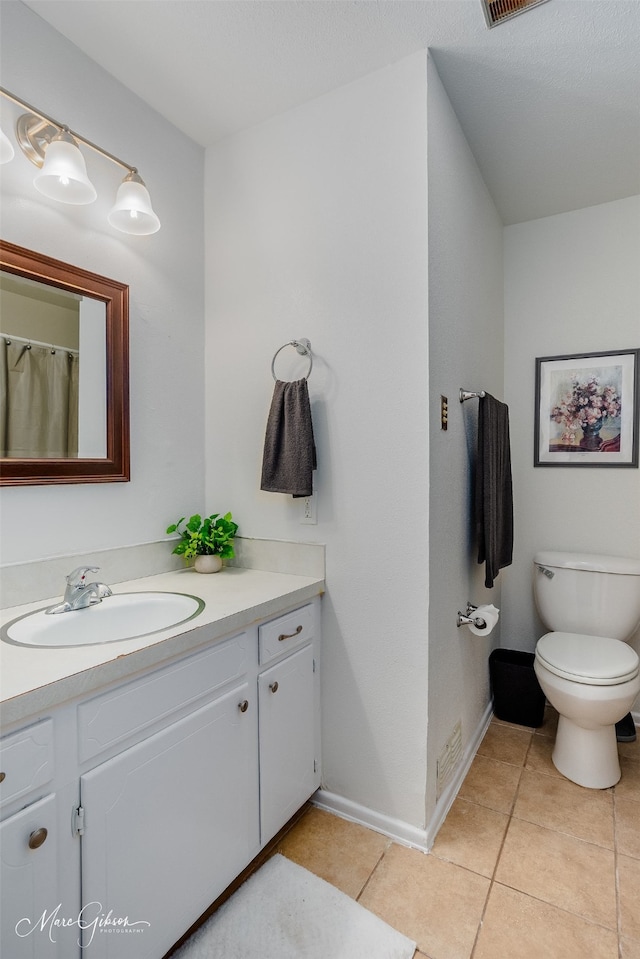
<point x="469" y="620"/>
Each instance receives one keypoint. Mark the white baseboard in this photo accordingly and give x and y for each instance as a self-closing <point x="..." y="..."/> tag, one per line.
<point x="397" y="829"/>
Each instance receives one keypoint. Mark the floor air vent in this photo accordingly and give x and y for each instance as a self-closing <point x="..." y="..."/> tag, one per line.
<point x="495" y="11"/>
<point x="449" y="758"/>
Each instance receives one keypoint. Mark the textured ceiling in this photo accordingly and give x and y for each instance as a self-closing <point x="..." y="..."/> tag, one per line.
<point x="549" y="101"/>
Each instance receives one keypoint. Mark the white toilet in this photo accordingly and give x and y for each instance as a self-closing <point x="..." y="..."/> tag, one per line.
<point x="591" y="603"/>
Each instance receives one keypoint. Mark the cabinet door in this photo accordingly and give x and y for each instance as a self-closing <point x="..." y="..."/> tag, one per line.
<point x="30" y="892"/>
<point x="168" y="825"/>
<point x="288" y="763"/>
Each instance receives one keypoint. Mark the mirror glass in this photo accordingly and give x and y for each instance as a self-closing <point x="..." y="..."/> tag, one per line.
<point x="53" y="354"/>
<point x="63" y="372"/>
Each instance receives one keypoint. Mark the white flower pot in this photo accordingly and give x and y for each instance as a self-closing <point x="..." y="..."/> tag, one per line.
<point x="207" y="564"/>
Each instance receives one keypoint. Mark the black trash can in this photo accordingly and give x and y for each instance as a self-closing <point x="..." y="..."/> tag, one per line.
<point x="517" y="696"/>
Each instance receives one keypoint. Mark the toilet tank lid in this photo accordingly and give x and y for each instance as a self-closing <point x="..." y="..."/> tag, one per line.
<point x="589" y="561"/>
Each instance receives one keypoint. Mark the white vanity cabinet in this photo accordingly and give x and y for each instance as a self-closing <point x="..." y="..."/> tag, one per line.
<point x="171" y="783"/>
<point x="170" y="822"/>
<point x="30" y="843"/>
<point x="28" y="881"/>
<point x="171" y="818"/>
<point x="28" y="878"/>
<point x="288" y="703"/>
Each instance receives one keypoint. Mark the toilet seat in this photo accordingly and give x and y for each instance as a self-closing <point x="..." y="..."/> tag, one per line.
<point x="590" y="660"/>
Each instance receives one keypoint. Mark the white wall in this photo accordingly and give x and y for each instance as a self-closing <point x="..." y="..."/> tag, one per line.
<point x="316" y="226"/>
<point x="165" y="276"/>
<point x="465" y="350"/>
<point x="572" y="284"/>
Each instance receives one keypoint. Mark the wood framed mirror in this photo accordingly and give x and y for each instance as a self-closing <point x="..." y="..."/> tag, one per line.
<point x="69" y="424"/>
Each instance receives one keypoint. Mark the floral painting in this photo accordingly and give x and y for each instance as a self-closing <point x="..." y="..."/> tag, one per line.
<point x="587" y="410"/>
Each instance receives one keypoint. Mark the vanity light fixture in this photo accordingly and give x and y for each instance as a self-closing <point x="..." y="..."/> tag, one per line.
<point x="132" y="212"/>
<point x="64" y="173"/>
<point x="54" y="148"/>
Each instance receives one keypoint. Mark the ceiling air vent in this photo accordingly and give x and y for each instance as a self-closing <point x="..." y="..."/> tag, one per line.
<point x="495" y="11"/>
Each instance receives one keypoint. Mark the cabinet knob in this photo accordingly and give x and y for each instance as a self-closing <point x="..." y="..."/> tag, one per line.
<point x="273" y="687"/>
<point x="243" y="706"/>
<point x="296" y="632"/>
<point x="37" y="837"/>
<point x="3" y="776"/>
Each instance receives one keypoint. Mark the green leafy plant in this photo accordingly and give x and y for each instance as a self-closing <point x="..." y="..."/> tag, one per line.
<point x="212" y="536"/>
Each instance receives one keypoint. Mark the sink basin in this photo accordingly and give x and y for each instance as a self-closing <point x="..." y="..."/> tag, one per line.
<point x="121" y="616"/>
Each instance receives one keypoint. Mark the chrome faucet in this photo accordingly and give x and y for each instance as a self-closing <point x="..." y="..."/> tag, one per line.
<point x="78" y="593"/>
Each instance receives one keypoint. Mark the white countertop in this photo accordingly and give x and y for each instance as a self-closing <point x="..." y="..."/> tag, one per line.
<point x="33" y="679"/>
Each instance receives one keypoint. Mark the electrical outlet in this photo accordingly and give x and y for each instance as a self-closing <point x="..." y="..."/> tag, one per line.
<point x="308" y="510"/>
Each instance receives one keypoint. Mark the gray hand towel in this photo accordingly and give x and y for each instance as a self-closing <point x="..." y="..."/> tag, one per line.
<point x="493" y="488"/>
<point x="289" y="449"/>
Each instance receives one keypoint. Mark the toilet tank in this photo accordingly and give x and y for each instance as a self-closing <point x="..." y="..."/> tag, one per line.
<point x="587" y="593"/>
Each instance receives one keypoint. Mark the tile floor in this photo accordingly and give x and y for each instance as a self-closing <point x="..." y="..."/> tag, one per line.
<point x="526" y="866"/>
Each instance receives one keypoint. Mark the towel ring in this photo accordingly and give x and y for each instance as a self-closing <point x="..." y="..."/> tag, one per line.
<point x="303" y="346"/>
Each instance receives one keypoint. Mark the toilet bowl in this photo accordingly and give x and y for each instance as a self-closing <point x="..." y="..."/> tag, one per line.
<point x="587" y="672"/>
<point x="592" y="681"/>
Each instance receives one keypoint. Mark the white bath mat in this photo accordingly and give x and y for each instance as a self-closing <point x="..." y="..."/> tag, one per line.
<point x="285" y="912"/>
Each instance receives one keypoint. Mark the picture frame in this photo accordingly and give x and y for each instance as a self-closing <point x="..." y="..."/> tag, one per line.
<point x="587" y="409"/>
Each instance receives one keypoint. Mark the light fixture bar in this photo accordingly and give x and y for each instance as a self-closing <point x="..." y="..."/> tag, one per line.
<point x="61" y="126"/>
<point x="53" y="148"/>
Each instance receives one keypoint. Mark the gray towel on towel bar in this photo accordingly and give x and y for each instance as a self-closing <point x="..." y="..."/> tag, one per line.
<point x="289" y="449"/>
<point x="493" y="488"/>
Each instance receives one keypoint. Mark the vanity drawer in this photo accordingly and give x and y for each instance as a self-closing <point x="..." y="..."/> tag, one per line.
<point x="123" y="712"/>
<point x="26" y="760"/>
<point x="286" y="633"/>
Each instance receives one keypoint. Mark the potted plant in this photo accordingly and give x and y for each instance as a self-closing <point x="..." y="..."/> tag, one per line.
<point x="206" y="541"/>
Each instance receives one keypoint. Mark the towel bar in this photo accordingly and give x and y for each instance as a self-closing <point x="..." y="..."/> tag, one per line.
<point x="303" y="347"/>
<point x="470" y="394"/>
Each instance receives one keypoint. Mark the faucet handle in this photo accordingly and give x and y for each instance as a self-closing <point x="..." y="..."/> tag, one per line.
<point x="76" y="578"/>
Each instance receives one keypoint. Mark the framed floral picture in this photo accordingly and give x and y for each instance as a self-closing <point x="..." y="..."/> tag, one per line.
<point x="587" y="409"/>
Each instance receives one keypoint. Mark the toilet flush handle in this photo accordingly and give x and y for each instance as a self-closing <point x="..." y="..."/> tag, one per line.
<point x="547" y="572"/>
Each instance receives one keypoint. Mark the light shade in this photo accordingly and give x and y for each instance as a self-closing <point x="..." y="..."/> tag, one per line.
<point x="132" y="211"/>
<point x="6" y="148"/>
<point x="64" y="174"/>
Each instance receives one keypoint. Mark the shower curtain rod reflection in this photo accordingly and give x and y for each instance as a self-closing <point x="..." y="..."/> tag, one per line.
<point x="10" y="338"/>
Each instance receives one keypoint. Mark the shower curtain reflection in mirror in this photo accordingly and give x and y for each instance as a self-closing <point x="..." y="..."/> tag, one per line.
<point x="38" y="401"/>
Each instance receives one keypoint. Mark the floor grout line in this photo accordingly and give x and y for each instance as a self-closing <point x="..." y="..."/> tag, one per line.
<point x="521" y="787"/>
<point x="615" y="876"/>
<point x="553" y="905"/>
<point x="492" y="878"/>
<point x="378" y="861"/>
